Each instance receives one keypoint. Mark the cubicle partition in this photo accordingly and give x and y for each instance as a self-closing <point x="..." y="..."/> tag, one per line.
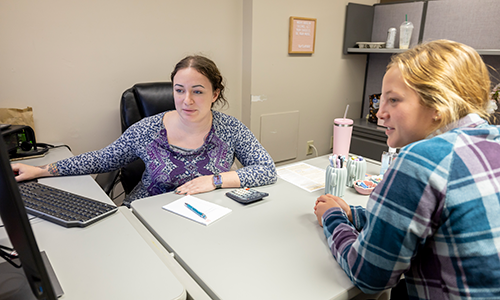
<point x="474" y="23"/>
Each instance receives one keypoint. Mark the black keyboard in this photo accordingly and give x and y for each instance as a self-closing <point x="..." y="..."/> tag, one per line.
<point x="61" y="207"/>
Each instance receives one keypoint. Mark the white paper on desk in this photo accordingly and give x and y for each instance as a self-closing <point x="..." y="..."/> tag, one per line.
<point x="305" y="176"/>
<point x="211" y="210"/>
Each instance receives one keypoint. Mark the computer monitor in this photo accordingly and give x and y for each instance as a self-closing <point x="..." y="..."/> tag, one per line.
<point x="18" y="227"/>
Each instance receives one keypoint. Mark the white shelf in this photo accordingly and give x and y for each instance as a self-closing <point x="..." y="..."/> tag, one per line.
<point x="397" y="50"/>
<point x="488" y="51"/>
<point x="368" y="50"/>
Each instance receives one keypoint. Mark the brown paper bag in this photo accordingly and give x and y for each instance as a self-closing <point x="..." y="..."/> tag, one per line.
<point x="17" y="116"/>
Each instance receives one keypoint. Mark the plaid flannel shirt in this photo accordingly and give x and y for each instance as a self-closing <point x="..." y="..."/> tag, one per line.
<point x="435" y="218"/>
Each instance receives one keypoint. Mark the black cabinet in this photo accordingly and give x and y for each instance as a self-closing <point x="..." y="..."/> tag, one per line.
<point x="368" y="139"/>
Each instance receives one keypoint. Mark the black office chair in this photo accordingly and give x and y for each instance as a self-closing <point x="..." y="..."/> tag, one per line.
<point x="140" y="101"/>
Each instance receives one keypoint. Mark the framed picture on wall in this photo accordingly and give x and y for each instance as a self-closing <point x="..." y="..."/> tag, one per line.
<point x="302" y="35"/>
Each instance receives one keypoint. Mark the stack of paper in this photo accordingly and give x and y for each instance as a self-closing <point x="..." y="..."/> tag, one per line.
<point x="212" y="211"/>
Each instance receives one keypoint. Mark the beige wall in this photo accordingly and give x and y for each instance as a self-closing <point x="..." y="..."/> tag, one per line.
<point x="320" y="85"/>
<point x="71" y="60"/>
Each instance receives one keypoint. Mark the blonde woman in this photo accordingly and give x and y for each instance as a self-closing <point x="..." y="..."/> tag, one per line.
<point x="436" y="215"/>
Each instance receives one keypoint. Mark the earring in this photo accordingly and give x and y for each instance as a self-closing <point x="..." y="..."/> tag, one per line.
<point x="437" y="117"/>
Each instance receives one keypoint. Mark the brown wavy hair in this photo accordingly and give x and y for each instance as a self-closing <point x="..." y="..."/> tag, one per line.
<point x="207" y="68"/>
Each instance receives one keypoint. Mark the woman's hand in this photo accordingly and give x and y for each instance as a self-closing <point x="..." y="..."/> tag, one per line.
<point x="204" y="184"/>
<point x="25" y="172"/>
<point x="198" y="185"/>
<point x="325" y="202"/>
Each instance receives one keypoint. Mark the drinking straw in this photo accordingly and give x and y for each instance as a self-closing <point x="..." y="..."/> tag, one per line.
<point x="346" y="109"/>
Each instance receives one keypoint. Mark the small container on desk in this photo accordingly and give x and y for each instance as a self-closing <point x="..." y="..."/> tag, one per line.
<point x="356" y="169"/>
<point x="336" y="176"/>
<point x="364" y="187"/>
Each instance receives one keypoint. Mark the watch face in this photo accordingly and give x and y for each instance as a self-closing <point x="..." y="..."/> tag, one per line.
<point x="218" y="181"/>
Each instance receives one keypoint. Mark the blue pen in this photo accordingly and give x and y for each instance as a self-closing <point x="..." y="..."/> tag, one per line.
<point x="199" y="213"/>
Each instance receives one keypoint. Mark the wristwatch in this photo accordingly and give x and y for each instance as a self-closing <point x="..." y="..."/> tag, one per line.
<point x="217" y="180"/>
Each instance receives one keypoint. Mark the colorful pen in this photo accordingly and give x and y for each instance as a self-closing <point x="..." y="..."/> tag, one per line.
<point x="199" y="213"/>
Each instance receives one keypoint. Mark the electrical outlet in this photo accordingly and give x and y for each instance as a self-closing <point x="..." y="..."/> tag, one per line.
<point x="331" y="142"/>
<point x="310" y="145"/>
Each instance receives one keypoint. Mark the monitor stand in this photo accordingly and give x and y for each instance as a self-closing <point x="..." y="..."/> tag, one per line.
<point x="15" y="286"/>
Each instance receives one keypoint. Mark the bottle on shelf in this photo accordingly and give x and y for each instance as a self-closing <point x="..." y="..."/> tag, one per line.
<point x="405" y="31"/>
<point x="387" y="159"/>
<point x="391" y="38"/>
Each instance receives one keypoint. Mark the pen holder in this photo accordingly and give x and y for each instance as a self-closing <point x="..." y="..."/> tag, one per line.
<point x="335" y="181"/>
<point x="356" y="170"/>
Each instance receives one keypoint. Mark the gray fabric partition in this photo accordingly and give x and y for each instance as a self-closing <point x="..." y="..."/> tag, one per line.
<point x="393" y="15"/>
<point x="474" y="23"/>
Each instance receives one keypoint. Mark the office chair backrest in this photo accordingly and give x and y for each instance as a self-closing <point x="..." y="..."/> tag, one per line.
<point x="140" y="101"/>
<point x="145" y="100"/>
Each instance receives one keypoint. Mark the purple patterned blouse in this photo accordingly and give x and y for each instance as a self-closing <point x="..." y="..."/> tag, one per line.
<point x="168" y="166"/>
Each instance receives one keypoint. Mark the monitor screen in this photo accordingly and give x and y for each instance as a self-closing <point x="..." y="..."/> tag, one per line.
<point x="18" y="227"/>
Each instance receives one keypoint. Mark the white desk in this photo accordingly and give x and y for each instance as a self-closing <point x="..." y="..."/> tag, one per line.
<point x="106" y="260"/>
<point x="272" y="249"/>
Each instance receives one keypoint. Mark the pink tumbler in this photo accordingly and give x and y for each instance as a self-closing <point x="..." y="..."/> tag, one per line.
<point x="342" y="132"/>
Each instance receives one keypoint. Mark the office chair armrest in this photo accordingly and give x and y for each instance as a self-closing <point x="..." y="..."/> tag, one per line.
<point x="107" y="181"/>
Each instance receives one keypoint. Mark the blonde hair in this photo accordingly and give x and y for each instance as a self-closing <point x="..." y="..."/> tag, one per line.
<point x="448" y="76"/>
